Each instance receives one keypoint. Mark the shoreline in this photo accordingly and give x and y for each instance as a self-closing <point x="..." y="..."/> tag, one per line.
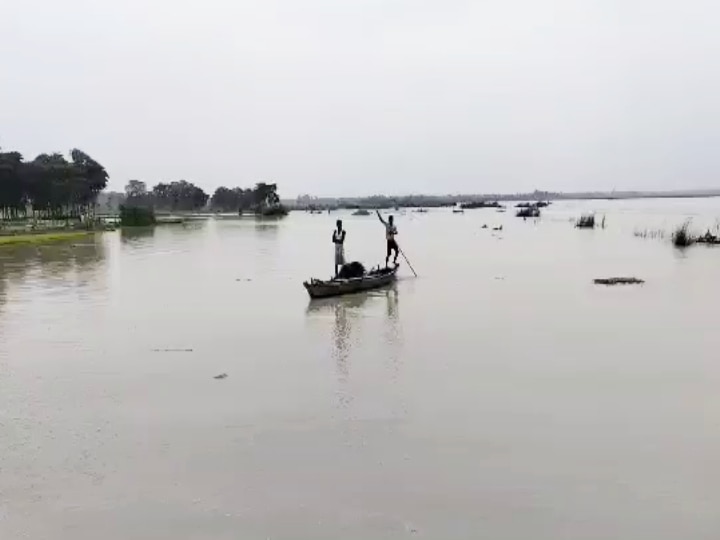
<point x="448" y="200"/>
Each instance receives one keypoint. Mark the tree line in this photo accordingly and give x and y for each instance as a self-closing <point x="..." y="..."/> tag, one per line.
<point x="260" y="199"/>
<point x="186" y="196"/>
<point x="173" y="196"/>
<point x="50" y="186"/>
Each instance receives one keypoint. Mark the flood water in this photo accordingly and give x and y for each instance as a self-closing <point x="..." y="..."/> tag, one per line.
<point x="500" y="395"/>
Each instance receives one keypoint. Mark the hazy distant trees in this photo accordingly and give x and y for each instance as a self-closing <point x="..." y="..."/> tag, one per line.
<point x="135" y="189"/>
<point x="263" y="198"/>
<point x="231" y="200"/>
<point x="180" y="196"/>
<point x="50" y="186"/>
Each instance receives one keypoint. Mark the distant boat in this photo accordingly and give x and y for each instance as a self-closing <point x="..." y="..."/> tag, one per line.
<point x="420" y="211"/>
<point x="458" y="209"/>
<point x="361" y="212"/>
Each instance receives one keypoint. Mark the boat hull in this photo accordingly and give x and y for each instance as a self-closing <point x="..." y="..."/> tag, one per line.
<point x="339" y="287"/>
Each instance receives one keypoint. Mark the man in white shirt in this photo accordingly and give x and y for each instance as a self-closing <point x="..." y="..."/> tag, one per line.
<point x="338" y="239"/>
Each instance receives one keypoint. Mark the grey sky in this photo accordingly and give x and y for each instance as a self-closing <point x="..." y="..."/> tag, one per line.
<point x="334" y="97"/>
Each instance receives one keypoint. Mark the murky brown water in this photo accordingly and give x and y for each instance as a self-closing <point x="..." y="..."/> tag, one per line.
<point x="500" y="395"/>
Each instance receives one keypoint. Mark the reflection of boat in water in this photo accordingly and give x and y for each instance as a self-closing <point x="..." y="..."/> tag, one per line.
<point x="374" y="279"/>
<point x="332" y="304"/>
<point x="344" y="318"/>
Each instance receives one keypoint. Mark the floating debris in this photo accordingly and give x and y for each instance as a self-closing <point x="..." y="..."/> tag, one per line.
<point x="497" y="229"/>
<point x="619" y="281"/>
<point x="221" y="376"/>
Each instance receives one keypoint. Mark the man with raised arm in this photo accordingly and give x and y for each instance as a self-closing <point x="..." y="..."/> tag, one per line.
<point x="390" y="233"/>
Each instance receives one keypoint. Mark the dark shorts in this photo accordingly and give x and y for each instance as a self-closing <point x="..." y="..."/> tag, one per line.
<point x="392" y="246"/>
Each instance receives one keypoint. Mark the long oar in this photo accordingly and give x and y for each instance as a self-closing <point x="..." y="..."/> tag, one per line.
<point x="408" y="262"/>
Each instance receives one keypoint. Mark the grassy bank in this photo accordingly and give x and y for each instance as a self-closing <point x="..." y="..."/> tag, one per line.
<point x="42" y="237"/>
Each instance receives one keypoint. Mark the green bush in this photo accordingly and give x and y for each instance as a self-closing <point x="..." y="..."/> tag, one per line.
<point x="135" y="216"/>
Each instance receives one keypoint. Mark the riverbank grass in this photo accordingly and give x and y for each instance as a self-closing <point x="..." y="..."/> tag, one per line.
<point x="42" y="237"/>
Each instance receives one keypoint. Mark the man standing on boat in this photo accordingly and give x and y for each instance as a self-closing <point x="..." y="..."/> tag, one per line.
<point x="338" y="239"/>
<point x="390" y="232"/>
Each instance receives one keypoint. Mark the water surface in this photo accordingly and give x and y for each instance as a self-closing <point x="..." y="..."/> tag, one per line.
<point x="500" y="395"/>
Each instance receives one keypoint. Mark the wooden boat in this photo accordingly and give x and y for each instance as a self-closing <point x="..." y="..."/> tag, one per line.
<point x="374" y="279"/>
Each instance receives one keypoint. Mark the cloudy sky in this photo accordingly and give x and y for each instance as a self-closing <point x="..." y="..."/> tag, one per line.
<point x="350" y="97"/>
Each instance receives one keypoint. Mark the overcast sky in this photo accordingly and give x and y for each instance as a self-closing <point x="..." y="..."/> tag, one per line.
<point x="351" y="97"/>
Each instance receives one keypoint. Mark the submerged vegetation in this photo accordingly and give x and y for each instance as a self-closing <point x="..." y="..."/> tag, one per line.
<point x="480" y="204"/>
<point x="530" y="209"/>
<point x="681" y="237"/>
<point x="650" y="233"/>
<point x="619" y="281"/>
<point x="708" y="238"/>
<point x="538" y="204"/>
<point x="528" y="212"/>
<point x="586" y="221"/>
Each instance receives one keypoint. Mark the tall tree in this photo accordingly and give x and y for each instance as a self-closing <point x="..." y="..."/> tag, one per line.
<point x="13" y="197"/>
<point x="136" y="195"/>
<point x="92" y="178"/>
<point x="50" y="185"/>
